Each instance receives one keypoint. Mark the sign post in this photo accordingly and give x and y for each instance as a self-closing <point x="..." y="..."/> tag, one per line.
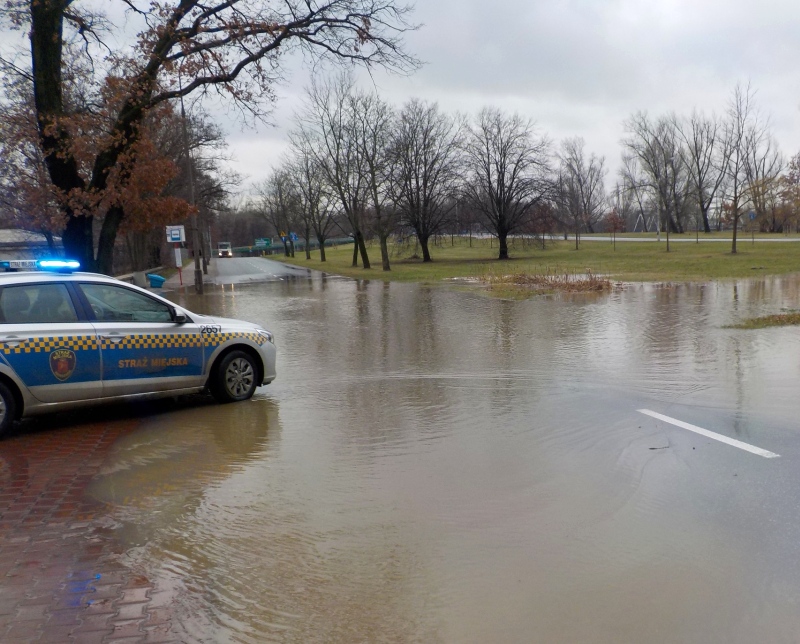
<point x="177" y="235"/>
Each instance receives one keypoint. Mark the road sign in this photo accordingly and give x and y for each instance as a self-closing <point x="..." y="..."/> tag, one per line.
<point x="293" y="236"/>
<point x="263" y="242"/>
<point x="176" y="234"/>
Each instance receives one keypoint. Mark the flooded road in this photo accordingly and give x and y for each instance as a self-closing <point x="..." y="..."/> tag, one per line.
<point x="436" y="466"/>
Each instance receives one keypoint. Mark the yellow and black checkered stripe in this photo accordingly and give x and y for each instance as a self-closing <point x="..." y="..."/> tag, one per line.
<point x="154" y="341"/>
<point x="215" y="339"/>
<point x="134" y="341"/>
<point x="39" y="345"/>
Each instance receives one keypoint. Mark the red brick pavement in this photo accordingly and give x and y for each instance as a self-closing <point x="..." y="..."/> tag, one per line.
<point x="61" y="579"/>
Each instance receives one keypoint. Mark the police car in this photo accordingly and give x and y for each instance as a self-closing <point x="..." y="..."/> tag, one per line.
<point x="70" y="339"/>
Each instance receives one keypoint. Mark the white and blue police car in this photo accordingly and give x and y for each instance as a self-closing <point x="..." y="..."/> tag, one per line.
<point x="69" y="339"/>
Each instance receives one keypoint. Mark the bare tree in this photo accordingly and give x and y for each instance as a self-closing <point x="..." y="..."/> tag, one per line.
<point x="278" y="204"/>
<point x="580" y="191"/>
<point x="622" y="202"/>
<point x="763" y="168"/>
<point x="636" y="187"/>
<point x="374" y="121"/>
<point x="313" y="201"/>
<point x="327" y="128"/>
<point x="789" y="205"/>
<point x="426" y="168"/>
<point x="508" y="172"/>
<point x="656" y="146"/>
<point x="706" y="157"/>
<point x="740" y="126"/>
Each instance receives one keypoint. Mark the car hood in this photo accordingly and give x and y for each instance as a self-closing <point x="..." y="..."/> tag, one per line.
<point x="226" y="322"/>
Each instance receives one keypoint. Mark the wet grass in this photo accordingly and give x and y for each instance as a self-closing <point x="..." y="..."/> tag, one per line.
<point x="778" y="319"/>
<point x="520" y="284"/>
<point x="629" y="261"/>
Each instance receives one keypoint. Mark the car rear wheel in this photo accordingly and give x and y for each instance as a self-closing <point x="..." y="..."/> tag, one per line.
<point x="8" y="409"/>
<point x="235" y="377"/>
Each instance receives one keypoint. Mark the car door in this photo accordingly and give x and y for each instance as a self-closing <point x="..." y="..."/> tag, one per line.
<point x="142" y="348"/>
<point x="47" y="340"/>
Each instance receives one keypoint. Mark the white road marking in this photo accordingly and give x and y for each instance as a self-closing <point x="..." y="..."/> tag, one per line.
<point x="704" y="432"/>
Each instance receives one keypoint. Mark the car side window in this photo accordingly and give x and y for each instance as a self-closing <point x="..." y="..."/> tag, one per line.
<point x="36" y="304"/>
<point x="119" y="304"/>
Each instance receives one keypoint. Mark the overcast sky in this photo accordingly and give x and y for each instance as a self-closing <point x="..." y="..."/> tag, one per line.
<point x="580" y="67"/>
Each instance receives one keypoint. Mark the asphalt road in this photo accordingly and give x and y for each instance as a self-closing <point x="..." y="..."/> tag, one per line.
<point x="240" y="270"/>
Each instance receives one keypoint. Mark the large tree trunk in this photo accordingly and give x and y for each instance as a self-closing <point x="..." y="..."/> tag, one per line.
<point x="308" y="243"/>
<point x="46" y="44"/>
<point x="706" y="225"/>
<point x="105" y="243"/>
<point x="385" y="253"/>
<point x="502" y="238"/>
<point x="423" y="243"/>
<point x="362" y="248"/>
<point x="355" y="251"/>
<point x="321" y="241"/>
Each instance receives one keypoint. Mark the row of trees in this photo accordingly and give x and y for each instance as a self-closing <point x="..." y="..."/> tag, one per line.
<point x="360" y="167"/>
<point x="675" y="169"/>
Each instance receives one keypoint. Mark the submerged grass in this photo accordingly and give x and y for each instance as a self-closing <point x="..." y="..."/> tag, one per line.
<point x="778" y="319"/>
<point x="548" y="282"/>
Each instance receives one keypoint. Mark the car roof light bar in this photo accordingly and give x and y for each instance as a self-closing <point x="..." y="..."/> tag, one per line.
<point x="60" y="265"/>
<point x="51" y="265"/>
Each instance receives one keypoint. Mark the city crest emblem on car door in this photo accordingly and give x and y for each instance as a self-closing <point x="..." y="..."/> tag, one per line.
<point x="62" y="363"/>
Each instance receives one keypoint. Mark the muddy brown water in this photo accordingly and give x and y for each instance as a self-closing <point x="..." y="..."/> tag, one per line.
<point x="435" y="466"/>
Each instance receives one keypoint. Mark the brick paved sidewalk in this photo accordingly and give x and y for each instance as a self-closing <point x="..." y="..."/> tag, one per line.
<point x="61" y="579"/>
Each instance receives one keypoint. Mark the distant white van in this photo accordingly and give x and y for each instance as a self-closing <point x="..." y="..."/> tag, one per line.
<point x="224" y="249"/>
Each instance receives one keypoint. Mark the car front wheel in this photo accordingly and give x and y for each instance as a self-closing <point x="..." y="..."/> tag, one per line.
<point x="235" y="377"/>
<point x="8" y="409"/>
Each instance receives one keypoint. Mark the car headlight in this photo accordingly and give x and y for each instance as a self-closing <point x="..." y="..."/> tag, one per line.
<point x="266" y="335"/>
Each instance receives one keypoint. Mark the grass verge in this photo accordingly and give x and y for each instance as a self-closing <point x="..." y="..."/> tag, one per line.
<point x="628" y="261"/>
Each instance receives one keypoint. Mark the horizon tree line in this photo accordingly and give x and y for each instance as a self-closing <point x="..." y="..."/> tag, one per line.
<point x="373" y="170"/>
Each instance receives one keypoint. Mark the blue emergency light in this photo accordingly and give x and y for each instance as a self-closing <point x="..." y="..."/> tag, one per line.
<point x="58" y="265"/>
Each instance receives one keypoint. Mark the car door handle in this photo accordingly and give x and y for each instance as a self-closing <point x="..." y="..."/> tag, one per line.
<point x="11" y="340"/>
<point x="113" y="337"/>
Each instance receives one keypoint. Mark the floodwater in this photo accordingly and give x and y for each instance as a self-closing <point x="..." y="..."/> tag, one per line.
<point x="432" y="465"/>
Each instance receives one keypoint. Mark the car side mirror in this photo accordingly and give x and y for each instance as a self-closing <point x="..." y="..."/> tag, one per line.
<point x="179" y="318"/>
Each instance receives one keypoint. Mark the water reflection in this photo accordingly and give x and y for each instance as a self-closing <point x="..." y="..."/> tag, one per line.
<point x="437" y="466"/>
